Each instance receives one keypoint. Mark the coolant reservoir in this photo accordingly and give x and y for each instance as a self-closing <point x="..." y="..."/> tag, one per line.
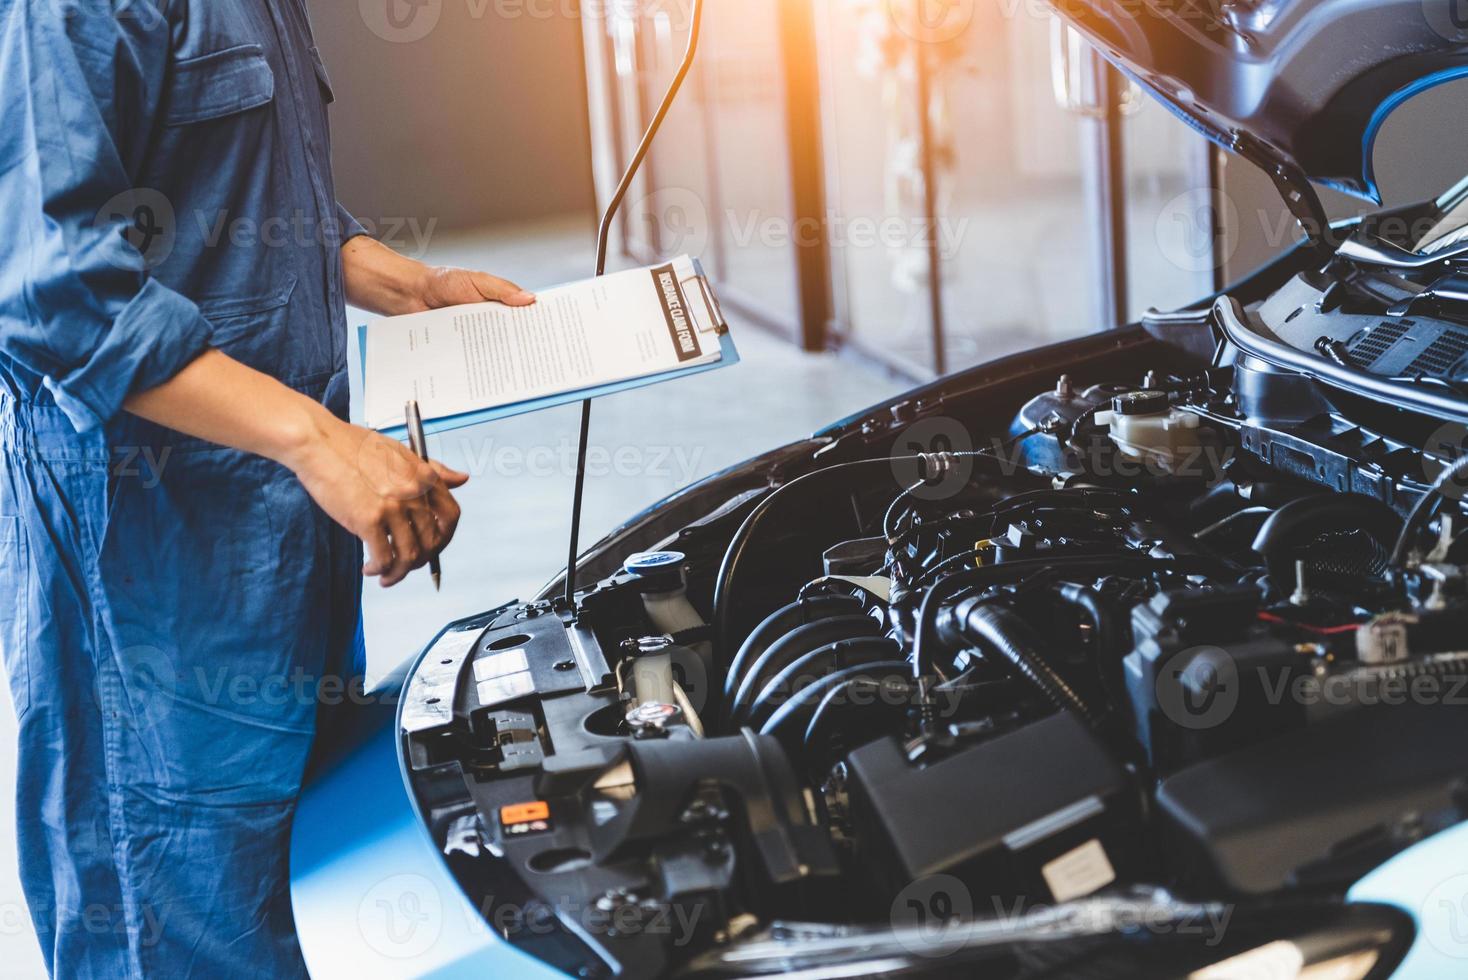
<point x="665" y="597"/>
<point x="1146" y="426"/>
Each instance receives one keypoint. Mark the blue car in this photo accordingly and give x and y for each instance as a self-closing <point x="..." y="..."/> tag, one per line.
<point x="1142" y="655"/>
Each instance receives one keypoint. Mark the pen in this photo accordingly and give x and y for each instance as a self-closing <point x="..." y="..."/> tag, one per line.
<point x="419" y="444"/>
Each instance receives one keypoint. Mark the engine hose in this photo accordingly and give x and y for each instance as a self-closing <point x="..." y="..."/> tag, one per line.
<point x="789" y="723"/>
<point x="739" y="544"/>
<point x="813" y="666"/>
<point x="1302" y="521"/>
<point x="1003" y="631"/>
<point x="790" y="648"/>
<point x="944" y="590"/>
<point x="782" y="621"/>
<point x="1109" y="640"/>
<point x="821" y="746"/>
<point x="1426" y="510"/>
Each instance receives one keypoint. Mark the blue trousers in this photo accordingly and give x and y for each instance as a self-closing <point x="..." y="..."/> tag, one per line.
<point x="171" y="609"/>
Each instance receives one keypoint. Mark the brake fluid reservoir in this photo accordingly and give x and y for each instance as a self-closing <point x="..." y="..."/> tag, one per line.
<point x="1146" y="426"/>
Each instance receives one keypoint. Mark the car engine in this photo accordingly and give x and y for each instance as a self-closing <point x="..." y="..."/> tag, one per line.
<point x="1179" y="637"/>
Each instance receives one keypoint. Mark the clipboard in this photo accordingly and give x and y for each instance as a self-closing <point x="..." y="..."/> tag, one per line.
<point x="707" y="314"/>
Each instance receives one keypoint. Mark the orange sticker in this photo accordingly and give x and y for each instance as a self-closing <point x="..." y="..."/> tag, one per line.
<point x="524" y="813"/>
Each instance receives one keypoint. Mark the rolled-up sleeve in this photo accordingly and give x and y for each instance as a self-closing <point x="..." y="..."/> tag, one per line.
<point x="78" y="307"/>
<point x="350" y="226"/>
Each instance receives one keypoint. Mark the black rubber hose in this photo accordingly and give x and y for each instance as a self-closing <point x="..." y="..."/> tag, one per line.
<point x="1302" y="521"/>
<point x="789" y="723"/>
<point x="813" y="666"/>
<point x="799" y="613"/>
<point x="1110" y="642"/>
<point x="790" y="648"/>
<point x="944" y="590"/>
<point x="877" y="717"/>
<point x="739" y="544"/>
<point x="1426" y="510"/>
<point x="1004" y="632"/>
<point x="1101" y="615"/>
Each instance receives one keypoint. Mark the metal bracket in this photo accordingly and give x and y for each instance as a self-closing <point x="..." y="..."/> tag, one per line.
<point x="1293" y="186"/>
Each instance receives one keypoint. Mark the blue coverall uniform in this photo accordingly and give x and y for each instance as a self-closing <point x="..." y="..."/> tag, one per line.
<point x="168" y="606"/>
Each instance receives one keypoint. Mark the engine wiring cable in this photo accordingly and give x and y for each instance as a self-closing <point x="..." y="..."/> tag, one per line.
<point x="840" y="696"/>
<point x="1426" y="509"/>
<point x="1100" y="500"/>
<point x="961" y="561"/>
<point x="739" y="544"/>
<point x="803" y="611"/>
<point x="834" y="656"/>
<point x="890" y="532"/>
<point x="785" y="723"/>
<point x="945" y="590"/>
<point x="1237" y="517"/>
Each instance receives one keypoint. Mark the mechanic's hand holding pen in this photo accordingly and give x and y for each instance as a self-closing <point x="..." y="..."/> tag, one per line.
<point x="399" y="504"/>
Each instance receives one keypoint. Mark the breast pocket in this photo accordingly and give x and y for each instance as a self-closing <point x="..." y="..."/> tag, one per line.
<point x="15" y="584"/>
<point x="218" y="164"/>
<point x="218" y="85"/>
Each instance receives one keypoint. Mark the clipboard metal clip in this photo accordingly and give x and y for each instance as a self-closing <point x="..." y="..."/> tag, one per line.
<point x="712" y="320"/>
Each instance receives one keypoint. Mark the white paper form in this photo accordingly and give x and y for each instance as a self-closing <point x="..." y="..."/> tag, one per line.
<point x="471" y="358"/>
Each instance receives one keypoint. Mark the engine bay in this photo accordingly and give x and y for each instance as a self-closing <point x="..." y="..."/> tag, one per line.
<point x="1176" y="638"/>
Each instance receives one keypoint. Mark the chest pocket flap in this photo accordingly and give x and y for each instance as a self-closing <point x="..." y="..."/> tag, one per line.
<point x="219" y="84"/>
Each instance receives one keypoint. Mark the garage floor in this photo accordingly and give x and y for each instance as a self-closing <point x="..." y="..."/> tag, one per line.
<point x="512" y="538"/>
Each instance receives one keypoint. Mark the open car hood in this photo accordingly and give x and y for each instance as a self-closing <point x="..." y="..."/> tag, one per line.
<point x="1300" y="87"/>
